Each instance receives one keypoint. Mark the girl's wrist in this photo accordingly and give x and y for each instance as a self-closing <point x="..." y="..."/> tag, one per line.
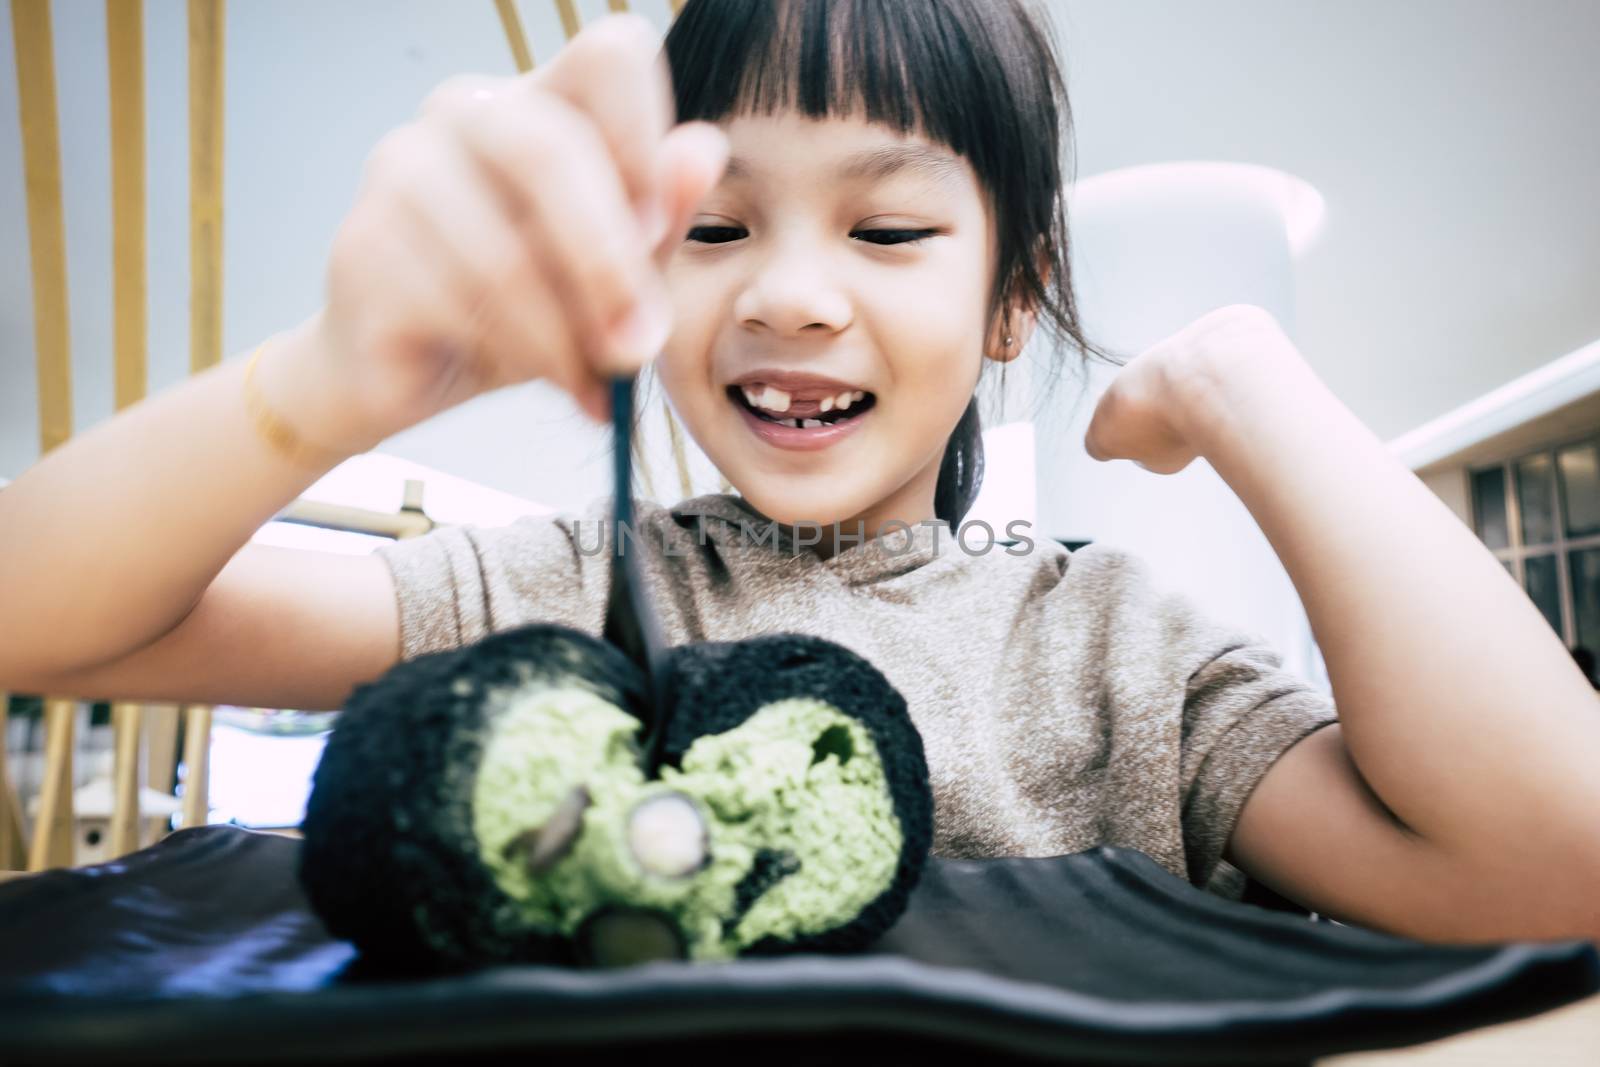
<point x="298" y="387"/>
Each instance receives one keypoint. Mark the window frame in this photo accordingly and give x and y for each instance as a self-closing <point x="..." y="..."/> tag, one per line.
<point x="1517" y="552"/>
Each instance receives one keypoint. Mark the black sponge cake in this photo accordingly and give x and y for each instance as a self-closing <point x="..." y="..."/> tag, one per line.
<point x="493" y="804"/>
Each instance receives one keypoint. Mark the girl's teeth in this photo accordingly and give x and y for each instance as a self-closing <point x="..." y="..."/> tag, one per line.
<point x="771" y="399"/>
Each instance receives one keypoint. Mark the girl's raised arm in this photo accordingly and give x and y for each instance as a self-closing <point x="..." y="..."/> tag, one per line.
<point x="1456" y="799"/>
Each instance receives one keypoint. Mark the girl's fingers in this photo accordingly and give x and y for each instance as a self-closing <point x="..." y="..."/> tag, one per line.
<point x="565" y="362"/>
<point x="614" y="72"/>
<point x="389" y="267"/>
<point x="457" y="89"/>
<point x="492" y="266"/>
<point x="552" y="162"/>
<point x="450" y="261"/>
<point x="693" y="157"/>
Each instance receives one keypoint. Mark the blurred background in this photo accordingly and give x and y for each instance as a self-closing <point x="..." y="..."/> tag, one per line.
<point x="1410" y="188"/>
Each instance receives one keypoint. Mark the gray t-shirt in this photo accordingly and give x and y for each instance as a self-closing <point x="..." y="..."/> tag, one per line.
<point x="1064" y="701"/>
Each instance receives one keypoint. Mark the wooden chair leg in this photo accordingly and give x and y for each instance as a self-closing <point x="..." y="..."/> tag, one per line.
<point x="14" y="852"/>
<point x="52" y="829"/>
<point x="160" y="756"/>
<point x="13" y="846"/>
<point x="125" y="816"/>
<point x="197" y="763"/>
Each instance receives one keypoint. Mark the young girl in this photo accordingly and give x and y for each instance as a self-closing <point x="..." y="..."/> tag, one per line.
<point x="857" y="212"/>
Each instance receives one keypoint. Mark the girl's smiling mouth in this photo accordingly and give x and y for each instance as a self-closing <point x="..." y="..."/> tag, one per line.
<point x="800" y="412"/>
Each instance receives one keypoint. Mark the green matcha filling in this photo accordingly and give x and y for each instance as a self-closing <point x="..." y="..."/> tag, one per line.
<point x="799" y="776"/>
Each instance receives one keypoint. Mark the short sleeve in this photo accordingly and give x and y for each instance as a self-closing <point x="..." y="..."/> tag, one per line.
<point x="1217" y="692"/>
<point x="1242" y="710"/>
<point x="456" y="585"/>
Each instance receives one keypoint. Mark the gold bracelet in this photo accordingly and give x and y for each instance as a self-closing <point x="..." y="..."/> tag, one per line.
<point x="279" y="434"/>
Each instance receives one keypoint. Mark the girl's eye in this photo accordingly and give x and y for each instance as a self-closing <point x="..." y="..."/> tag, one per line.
<point x="716" y="235"/>
<point x="713" y="235"/>
<point x="894" y="237"/>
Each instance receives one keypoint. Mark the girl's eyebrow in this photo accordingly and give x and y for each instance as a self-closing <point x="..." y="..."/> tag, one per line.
<point x="875" y="164"/>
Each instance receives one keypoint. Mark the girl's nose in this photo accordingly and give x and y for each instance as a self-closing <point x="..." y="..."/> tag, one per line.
<point x="791" y="291"/>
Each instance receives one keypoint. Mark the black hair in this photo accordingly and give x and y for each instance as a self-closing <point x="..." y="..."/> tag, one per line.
<point x="979" y="76"/>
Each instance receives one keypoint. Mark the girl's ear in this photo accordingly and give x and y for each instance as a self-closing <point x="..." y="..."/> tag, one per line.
<point x="1010" y="334"/>
<point x="1018" y="319"/>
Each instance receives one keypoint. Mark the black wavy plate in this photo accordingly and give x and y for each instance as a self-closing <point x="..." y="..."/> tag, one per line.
<point x="201" y="949"/>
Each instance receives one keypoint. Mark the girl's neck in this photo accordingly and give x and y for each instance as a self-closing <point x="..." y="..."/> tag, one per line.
<point x="908" y="506"/>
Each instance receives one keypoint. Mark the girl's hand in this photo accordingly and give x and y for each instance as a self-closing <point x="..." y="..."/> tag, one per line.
<point x="1152" y="410"/>
<point x="514" y="230"/>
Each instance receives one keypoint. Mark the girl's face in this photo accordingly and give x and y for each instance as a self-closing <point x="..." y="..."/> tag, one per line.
<point x="835" y="257"/>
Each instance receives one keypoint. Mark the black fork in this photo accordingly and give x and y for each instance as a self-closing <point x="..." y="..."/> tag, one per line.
<point x="631" y="622"/>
